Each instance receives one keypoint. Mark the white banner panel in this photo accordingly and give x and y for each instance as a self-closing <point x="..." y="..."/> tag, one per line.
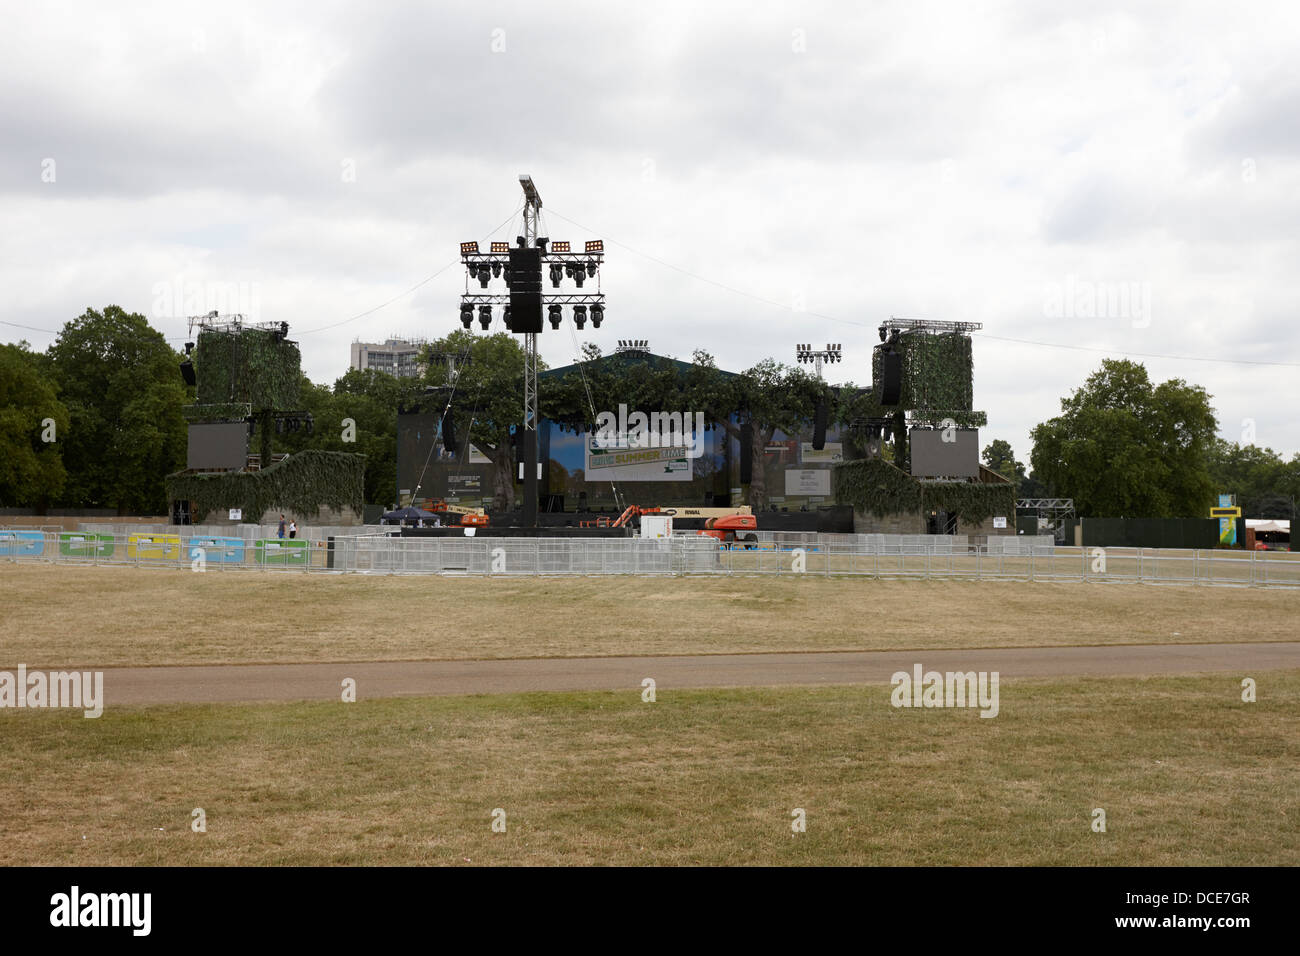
<point x="831" y="453"/>
<point x="807" y="481"/>
<point x="636" y="464"/>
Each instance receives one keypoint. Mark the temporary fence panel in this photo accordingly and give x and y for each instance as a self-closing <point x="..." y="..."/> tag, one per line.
<point x="1018" y="558"/>
<point x="22" y="544"/>
<point x="216" y="550"/>
<point x="281" y="552"/>
<point x="153" y="546"/>
<point x="77" y="544"/>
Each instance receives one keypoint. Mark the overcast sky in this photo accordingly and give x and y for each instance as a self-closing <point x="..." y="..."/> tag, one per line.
<point x="763" y="174"/>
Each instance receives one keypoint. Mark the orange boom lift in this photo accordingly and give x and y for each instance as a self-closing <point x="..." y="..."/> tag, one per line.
<point x="730" y="529"/>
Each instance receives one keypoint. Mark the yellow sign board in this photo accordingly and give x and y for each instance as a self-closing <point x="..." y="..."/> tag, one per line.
<point x="153" y="546"/>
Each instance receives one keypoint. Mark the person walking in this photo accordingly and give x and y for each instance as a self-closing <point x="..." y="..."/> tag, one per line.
<point x="280" y="532"/>
<point x="293" y="529"/>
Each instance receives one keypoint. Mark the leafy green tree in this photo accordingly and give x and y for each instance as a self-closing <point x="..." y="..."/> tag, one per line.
<point x="488" y="395"/>
<point x="1031" y="487"/>
<point x="371" y="398"/>
<point x="999" y="457"/>
<point x="124" y="393"/>
<point x="31" y="468"/>
<point x="1124" y="448"/>
<point x="359" y="416"/>
<point x="1266" y="485"/>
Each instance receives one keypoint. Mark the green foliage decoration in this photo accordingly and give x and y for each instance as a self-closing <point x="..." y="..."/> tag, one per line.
<point x="938" y="375"/>
<point x="300" y="484"/>
<point x="938" y="371"/>
<point x="874" y="486"/>
<point x="248" y="365"/>
<point x="221" y="412"/>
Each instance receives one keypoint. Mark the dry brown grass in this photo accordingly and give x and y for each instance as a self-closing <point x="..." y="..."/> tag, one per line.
<point x="1187" y="774"/>
<point x="70" y="616"/>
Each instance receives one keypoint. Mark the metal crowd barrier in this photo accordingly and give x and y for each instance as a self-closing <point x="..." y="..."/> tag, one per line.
<point x="1017" y="558"/>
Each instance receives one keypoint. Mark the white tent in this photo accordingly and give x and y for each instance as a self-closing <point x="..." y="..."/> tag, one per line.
<point x="1265" y="525"/>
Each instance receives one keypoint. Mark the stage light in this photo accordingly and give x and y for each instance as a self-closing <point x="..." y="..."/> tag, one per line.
<point x="558" y="246"/>
<point x="485" y="315"/>
<point x="541" y="243"/>
<point x="555" y="314"/>
<point x="883" y="333"/>
<point x="496" y="269"/>
<point x="597" y="315"/>
<point x="500" y="247"/>
<point x="472" y="268"/>
<point x="521" y="242"/>
<point x="595" y="245"/>
<point x="484" y="275"/>
<point x="505" y="317"/>
<point x="591" y="268"/>
<point x="578" y="275"/>
<point x="580" y="316"/>
<point x="466" y="315"/>
<point x="557" y="273"/>
<point x="468" y="248"/>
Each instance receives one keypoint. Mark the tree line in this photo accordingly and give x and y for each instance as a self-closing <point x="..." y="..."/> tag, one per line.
<point x="95" y="421"/>
<point x="1124" y="446"/>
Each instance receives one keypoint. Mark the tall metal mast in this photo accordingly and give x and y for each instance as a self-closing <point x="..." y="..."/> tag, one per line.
<point x="532" y="205"/>
<point x="522" y="309"/>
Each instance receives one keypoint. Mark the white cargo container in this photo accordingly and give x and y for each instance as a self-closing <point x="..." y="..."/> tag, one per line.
<point x="656" y="526"/>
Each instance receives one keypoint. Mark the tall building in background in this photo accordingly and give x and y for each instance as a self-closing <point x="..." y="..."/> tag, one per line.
<point x="398" y="357"/>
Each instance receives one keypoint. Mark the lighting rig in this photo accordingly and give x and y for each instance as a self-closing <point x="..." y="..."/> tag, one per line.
<point x="805" y="354"/>
<point x="893" y="326"/>
<point x="521" y="308"/>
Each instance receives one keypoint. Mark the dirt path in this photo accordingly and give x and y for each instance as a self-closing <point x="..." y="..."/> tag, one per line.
<point x="265" y="682"/>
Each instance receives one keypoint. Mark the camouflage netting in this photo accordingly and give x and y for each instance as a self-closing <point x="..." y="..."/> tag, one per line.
<point x="876" y="487"/>
<point x="937" y="383"/>
<point x="251" y="366"/>
<point x="227" y="412"/>
<point x="301" y="484"/>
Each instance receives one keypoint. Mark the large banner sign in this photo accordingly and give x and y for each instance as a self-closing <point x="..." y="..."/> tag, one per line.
<point x="636" y="464"/>
<point x="828" y="455"/>
<point x="807" y="481"/>
<point x="643" y="446"/>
